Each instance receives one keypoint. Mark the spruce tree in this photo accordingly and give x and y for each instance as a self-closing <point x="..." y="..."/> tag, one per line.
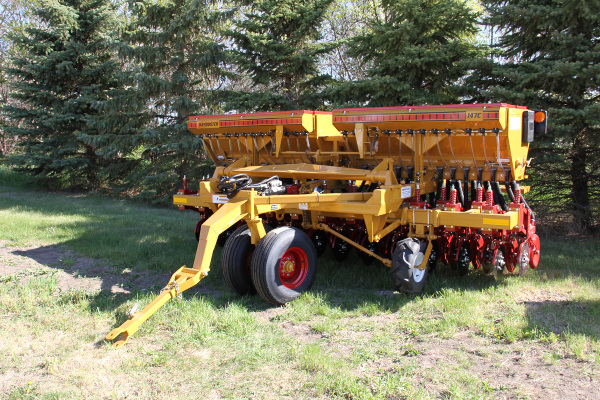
<point x="276" y="42"/>
<point x="66" y="68"/>
<point x="175" y="65"/>
<point x="548" y="57"/>
<point x="417" y="54"/>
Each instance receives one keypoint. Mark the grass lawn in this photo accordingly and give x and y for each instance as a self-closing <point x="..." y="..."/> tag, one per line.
<point x="72" y="265"/>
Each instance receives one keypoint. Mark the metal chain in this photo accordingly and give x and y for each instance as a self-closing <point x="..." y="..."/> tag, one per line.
<point x="174" y="285"/>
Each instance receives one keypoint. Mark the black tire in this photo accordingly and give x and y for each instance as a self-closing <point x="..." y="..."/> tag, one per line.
<point x="487" y="266"/>
<point x="197" y="230"/>
<point x="319" y="239"/>
<point x="366" y="258"/>
<point x="283" y="247"/>
<point x="523" y="259"/>
<point x="464" y="260"/>
<point x="453" y="263"/>
<point x="341" y="250"/>
<point x="236" y="260"/>
<point x="433" y="257"/>
<point x="224" y="236"/>
<point x="404" y="260"/>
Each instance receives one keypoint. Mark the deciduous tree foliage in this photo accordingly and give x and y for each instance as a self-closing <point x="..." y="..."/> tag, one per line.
<point x="549" y="58"/>
<point x="277" y="43"/>
<point x="66" y="68"/>
<point x="417" y="52"/>
<point x="344" y="20"/>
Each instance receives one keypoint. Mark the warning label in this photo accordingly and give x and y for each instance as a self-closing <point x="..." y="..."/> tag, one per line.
<point x="406" y="192"/>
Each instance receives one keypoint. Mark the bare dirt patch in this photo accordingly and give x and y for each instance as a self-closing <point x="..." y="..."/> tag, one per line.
<point x="517" y="370"/>
<point x="513" y="370"/>
<point x="74" y="272"/>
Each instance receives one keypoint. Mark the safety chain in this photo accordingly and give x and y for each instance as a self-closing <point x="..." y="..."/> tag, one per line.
<point x="174" y="285"/>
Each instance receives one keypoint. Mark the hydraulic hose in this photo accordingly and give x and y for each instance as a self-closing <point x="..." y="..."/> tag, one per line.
<point x="231" y="185"/>
<point x="459" y="193"/>
<point x="509" y="189"/>
<point x="498" y="193"/>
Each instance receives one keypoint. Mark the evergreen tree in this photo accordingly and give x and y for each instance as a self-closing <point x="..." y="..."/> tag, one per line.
<point x="277" y="43"/>
<point x="66" y="69"/>
<point x="175" y="65"/>
<point x="417" y="53"/>
<point x="549" y="58"/>
<point x="15" y="16"/>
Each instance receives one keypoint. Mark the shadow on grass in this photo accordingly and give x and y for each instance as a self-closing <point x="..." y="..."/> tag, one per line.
<point x="564" y="317"/>
<point x="145" y="245"/>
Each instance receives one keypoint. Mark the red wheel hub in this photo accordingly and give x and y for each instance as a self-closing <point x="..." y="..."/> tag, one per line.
<point x="293" y="267"/>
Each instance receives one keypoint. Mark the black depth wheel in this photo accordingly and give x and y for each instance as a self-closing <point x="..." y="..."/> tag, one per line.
<point x="523" y="258"/>
<point x="433" y="257"/>
<point x="341" y="250"/>
<point x="319" y="239"/>
<point x="284" y="265"/>
<point x="464" y="259"/>
<point x="488" y="257"/>
<point x="372" y="246"/>
<point x="407" y="257"/>
<point x="453" y="249"/>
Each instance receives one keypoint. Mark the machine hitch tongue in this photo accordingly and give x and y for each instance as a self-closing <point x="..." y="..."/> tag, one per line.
<point x="184" y="278"/>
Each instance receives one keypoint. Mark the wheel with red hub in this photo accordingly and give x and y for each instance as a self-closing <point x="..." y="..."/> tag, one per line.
<point x="534" y="256"/>
<point x="284" y="265"/>
<point x="235" y="260"/>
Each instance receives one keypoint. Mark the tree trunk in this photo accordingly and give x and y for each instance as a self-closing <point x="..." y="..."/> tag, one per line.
<point x="582" y="213"/>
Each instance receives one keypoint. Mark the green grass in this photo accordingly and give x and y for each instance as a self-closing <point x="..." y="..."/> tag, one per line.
<point x="350" y="337"/>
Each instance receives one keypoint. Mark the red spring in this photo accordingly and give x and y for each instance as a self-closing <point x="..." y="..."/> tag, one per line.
<point x="443" y="193"/>
<point x="479" y="194"/>
<point x="518" y="196"/>
<point x="418" y="193"/>
<point x="452" y="196"/>
<point x="489" y="198"/>
<point x="184" y="182"/>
